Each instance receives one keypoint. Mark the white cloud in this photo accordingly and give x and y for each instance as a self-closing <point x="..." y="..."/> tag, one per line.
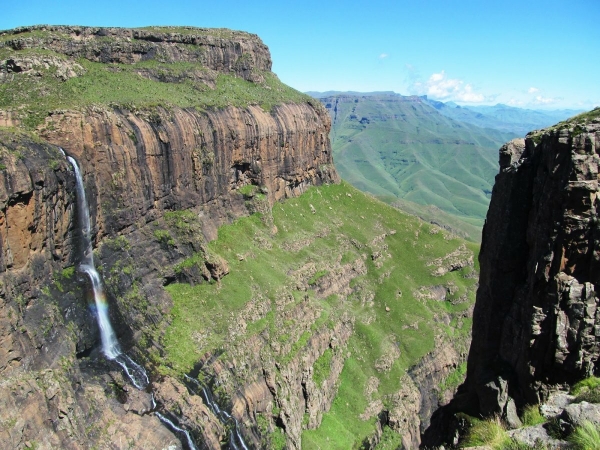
<point x="544" y="100"/>
<point x="440" y="87"/>
<point x="383" y="56"/>
<point x="533" y="90"/>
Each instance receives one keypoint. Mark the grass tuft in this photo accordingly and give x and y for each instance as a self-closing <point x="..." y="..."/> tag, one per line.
<point x="532" y="416"/>
<point x="587" y="390"/>
<point x="586" y="437"/>
<point x="491" y="433"/>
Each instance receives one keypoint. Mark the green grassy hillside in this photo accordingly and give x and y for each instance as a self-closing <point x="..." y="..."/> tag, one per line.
<point x="37" y="80"/>
<point x="401" y="148"/>
<point x="289" y="258"/>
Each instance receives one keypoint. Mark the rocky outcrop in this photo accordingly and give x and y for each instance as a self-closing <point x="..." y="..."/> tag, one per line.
<point x="218" y="50"/>
<point x="536" y="318"/>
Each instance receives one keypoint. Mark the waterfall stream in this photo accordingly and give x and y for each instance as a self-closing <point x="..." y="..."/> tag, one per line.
<point x="110" y="344"/>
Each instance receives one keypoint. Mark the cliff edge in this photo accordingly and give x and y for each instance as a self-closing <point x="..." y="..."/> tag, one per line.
<point x="536" y="323"/>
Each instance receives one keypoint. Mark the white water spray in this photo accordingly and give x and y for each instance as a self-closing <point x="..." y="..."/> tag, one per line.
<point x="110" y="344"/>
<point x="190" y="441"/>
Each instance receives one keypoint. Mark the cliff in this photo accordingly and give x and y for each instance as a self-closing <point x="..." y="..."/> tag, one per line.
<point x="328" y="316"/>
<point x="536" y="317"/>
<point x="142" y="156"/>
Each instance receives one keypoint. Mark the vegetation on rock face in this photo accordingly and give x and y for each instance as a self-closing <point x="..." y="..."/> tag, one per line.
<point x="575" y="124"/>
<point x="37" y="81"/>
<point x="587" y="390"/>
<point x="532" y="416"/>
<point x="332" y="255"/>
<point x="490" y="433"/>
<point x="586" y="437"/>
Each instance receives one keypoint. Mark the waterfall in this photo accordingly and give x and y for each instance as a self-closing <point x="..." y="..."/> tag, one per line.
<point x="223" y="416"/>
<point x="110" y="344"/>
<point x="190" y="441"/>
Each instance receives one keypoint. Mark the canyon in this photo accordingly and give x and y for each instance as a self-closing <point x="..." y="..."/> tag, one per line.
<point x="183" y="135"/>
<point x="245" y="276"/>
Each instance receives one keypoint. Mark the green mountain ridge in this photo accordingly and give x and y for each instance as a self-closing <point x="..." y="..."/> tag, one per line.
<point x="504" y="117"/>
<point x="399" y="147"/>
<point x="500" y="117"/>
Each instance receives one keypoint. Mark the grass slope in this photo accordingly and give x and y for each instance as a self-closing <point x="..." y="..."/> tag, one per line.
<point x="124" y="85"/>
<point x="401" y="148"/>
<point x="316" y="233"/>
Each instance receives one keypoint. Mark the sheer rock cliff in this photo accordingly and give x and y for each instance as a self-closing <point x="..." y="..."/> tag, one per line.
<point x="138" y="165"/>
<point x="536" y="323"/>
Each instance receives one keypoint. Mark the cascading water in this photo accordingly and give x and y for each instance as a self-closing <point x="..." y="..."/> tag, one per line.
<point x="235" y="436"/>
<point x="110" y="344"/>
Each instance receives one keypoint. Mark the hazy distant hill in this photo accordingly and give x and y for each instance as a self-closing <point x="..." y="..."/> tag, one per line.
<point x="402" y="148"/>
<point x="503" y="117"/>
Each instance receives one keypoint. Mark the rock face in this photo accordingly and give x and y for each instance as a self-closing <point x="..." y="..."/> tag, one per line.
<point x="179" y="159"/>
<point x="218" y="50"/>
<point x="536" y="320"/>
<point x="139" y="166"/>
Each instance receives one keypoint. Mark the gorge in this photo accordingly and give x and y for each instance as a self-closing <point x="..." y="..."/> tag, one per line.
<point x="312" y="286"/>
<point x="271" y="304"/>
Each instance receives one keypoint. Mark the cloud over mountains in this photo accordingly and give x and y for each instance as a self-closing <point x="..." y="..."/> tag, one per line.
<point x="440" y="87"/>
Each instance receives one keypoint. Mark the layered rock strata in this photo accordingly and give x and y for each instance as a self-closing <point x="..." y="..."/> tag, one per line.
<point x="217" y="50"/>
<point x="138" y="165"/>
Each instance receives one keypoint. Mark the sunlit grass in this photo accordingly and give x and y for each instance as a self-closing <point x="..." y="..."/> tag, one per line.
<point x="342" y="230"/>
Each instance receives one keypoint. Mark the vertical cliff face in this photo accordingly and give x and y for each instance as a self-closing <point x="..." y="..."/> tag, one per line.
<point x="181" y="158"/>
<point x="536" y="321"/>
<point x="143" y="158"/>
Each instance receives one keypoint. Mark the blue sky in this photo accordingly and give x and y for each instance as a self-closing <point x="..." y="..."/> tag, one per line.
<point x="528" y="53"/>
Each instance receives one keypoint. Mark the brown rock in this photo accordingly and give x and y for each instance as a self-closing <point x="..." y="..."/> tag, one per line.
<point x="195" y="415"/>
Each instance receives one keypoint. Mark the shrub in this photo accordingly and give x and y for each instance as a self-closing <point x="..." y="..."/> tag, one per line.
<point x="587" y="390"/>
<point x="164" y="237"/>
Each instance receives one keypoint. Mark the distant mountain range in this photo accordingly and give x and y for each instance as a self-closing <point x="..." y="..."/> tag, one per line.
<point x="503" y="117"/>
<point x="500" y="117"/>
<point x="440" y="156"/>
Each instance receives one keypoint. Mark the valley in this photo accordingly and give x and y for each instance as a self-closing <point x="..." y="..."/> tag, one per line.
<point x="289" y="273"/>
<point x="435" y="160"/>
